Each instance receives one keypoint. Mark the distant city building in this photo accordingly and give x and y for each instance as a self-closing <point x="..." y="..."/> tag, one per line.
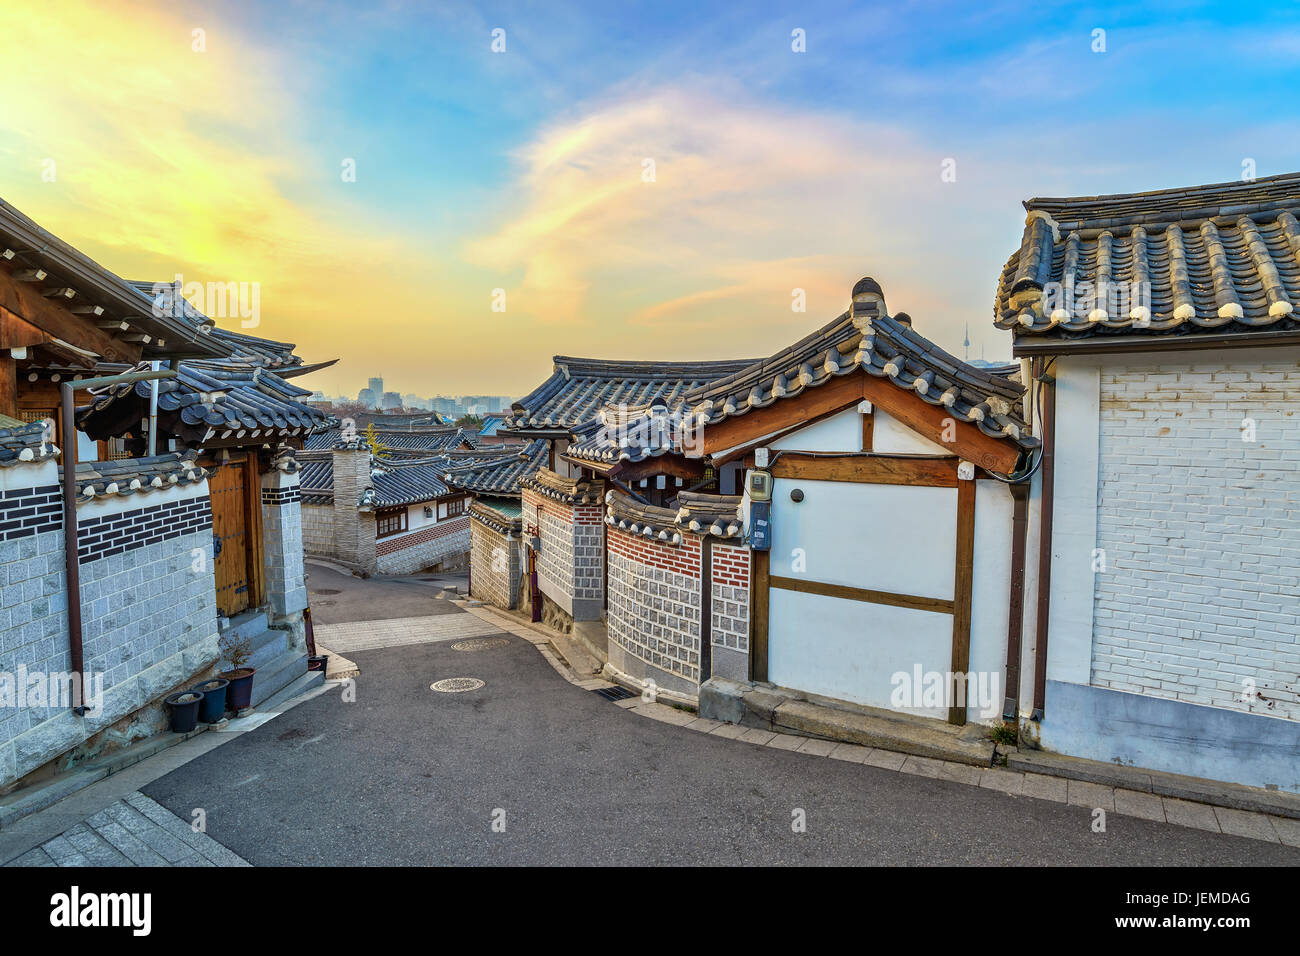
<point x="390" y="400"/>
<point x="367" y="397"/>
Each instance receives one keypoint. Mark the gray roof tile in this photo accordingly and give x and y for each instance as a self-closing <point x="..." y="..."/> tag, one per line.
<point x="1222" y="258"/>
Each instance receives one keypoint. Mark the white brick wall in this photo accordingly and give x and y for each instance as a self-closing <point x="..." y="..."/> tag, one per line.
<point x="1201" y="534"/>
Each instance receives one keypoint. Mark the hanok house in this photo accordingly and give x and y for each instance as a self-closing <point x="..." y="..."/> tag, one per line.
<point x="575" y="411"/>
<point x="411" y="442"/>
<point x="1162" y="334"/>
<point x="148" y="592"/>
<point x="883" y="549"/>
<point x="497" y="559"/>
<point x="389" y="515"/>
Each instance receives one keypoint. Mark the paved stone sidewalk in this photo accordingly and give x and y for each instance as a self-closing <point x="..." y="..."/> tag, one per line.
<point x="354" y="636"/>
<point x="134" y="831"/>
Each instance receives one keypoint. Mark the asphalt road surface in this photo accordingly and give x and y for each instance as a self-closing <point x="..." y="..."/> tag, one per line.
<point x="408" y="776"/>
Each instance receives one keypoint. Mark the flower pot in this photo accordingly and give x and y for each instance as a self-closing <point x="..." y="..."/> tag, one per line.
<point x="318" y="662"/>
<point x="240" y="692"/>
<point x="184" y="705"/>
<point x="213" y="706"/>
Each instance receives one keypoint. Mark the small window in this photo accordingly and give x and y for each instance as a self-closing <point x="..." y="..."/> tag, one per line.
<point x="390" y="522"/>
<point x="455" y="507"/>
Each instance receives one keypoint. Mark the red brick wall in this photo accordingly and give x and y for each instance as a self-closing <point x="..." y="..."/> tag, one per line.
<point x="683" y="558"/>
<point x="730" y="565"/>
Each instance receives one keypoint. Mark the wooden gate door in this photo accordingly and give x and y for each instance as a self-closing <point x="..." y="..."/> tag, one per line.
<point x="228" y="487"/>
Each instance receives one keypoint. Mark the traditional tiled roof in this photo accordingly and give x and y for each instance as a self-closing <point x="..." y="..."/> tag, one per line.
<point x="579" y="387"/>
<point x="1218" y="259"/>
<point x="490" y="425"/>
<point x="316" y="477"/>
<point x="714" y="515"/>
<point x="248" y="349"/>
<point x="127" y="476"/>
<point x="77" y="280"/>
<point x="500" y="475"/>
<point x="405" y="483"/>
<point x="428" y="439"/>
<point x="23" y="442"/>
<point x="207" y="401"/>
<point x="867" y="338"/>
<point x="573" y="491"/>
<point x="394" y="480"/>
<point x="627" y="434"/>
<point x="501" y="518"/>
<point x="718" y="515"/>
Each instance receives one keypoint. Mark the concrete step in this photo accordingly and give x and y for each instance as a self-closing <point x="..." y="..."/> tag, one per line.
<point x="1198" y="789"/>
<point x="267" y="646"/>
<point x="247" y="624"/>
<point x="278" y="674"/>
<point x="773" y="708"/>
<point x="308" y="681"/>
<point x="575" y="654"/>
<point x="594" y="638"/>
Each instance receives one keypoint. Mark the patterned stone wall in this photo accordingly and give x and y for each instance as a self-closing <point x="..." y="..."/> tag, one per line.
<point x="495" y="570"/>
<point x="654" y="604"/>
<point x="148" y="601"/>
<point x="282" y="544"/>
<point x="354" y="531"/>
<point x="442" y="545"/>
<point x="318" y="529"/>
<point x="571" y="562"/>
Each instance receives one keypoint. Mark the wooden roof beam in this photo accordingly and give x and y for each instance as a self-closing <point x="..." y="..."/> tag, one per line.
<point x="52" y="317"/>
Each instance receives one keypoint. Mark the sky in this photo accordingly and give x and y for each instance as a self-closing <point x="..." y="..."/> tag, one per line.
<point x="631" y="180"/>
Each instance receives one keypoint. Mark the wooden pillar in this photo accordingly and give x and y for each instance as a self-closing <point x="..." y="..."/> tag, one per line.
<point x="758" y="616"/>
<point x="962" y="592"/>
<point x="8" y="385"/>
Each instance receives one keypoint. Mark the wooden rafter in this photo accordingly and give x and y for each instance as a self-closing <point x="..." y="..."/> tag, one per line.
<point x="56" y="319"/>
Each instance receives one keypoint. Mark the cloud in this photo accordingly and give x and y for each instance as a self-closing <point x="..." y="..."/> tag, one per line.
<point x="748" y="203"/>
<point x="170" y="160"/>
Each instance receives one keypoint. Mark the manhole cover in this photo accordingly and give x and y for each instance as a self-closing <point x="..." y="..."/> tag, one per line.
<point x="456" y="685"/>
<point x="327" y="591"/>
<point x="479" y="644"/>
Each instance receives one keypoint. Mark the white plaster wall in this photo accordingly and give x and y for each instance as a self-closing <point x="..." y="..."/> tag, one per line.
<point x="850" y="650"/>
<point x="1074" y="520"/>
<point x="840" y="432"/>
<point x="991" y="588"/>
<point x="118" y="504"/>
<point x="886" y="537"/>
<point x="890" y="436"/>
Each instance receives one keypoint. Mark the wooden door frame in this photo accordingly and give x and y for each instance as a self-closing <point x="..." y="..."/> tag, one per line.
<point x="915" y="471"/>
<point x="254" y="552"/>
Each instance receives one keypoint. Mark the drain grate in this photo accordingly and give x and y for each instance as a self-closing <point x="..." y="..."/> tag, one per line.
<point x="456" y="685"/>
<point x="479" y="644"/>
<point x="613" y="693"/>
<point x="326" y="591"/>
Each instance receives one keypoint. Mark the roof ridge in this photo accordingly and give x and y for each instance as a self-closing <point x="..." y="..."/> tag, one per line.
<point x="1231" y="185"/>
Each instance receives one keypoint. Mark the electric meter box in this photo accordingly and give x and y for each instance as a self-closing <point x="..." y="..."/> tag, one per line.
<point x="760" y="525"/>
<point x="758" y="485"/>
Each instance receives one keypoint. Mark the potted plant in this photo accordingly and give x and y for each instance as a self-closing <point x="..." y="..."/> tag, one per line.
<point x="184" y="706"/>
<point x="213" y="706"/>
<point x="239" y="693"/>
